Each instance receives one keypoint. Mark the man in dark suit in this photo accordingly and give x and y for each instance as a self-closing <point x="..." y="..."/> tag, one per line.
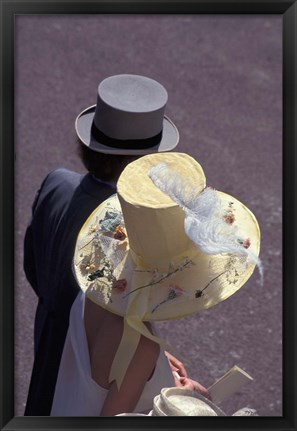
<point x="128" y="121"/>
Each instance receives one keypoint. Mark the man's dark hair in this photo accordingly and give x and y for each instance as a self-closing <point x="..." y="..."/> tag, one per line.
<point x="105" y="167"/>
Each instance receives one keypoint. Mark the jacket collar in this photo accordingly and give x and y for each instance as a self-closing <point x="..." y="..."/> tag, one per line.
<point x="94" y="187"/>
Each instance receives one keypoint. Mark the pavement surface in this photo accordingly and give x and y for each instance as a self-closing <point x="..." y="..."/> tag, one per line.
<point x="223" y="74"/>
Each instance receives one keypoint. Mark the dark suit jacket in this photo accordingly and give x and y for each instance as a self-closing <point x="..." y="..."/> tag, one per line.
<point x="61" y="206"/>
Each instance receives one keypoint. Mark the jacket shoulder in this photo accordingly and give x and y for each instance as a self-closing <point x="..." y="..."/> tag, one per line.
<point x="62" y="175"/>
<point x="61" y="179"/>
<point x="58" y="185"/>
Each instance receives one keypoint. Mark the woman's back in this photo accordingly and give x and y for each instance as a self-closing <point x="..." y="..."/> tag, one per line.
<point x="82" y="386"/>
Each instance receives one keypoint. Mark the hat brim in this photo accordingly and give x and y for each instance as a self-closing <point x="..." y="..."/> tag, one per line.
<point x="83" y="127"/>
<point x="197" y="273"/>
<point x="178" y="401"/>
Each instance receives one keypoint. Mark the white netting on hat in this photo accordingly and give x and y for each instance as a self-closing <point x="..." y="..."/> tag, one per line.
<point x="113" y="249"/>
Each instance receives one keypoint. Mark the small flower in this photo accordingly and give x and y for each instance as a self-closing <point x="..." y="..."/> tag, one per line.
<point x="90" y="267"/>
<point x="175" y="291"/>
<point x="230" y="218"/>
<point x="246" y="243"/>
<point x="92" y="229"/>
<point x="86" y="265"/>
<point x="120" y="285"/>
<point x="120" y="233"/>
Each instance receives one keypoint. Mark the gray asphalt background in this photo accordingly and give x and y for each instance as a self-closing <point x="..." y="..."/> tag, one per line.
<point x="223" y="74"/>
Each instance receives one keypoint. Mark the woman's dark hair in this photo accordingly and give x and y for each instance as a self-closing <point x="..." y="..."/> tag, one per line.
<point x="105" y="167"/>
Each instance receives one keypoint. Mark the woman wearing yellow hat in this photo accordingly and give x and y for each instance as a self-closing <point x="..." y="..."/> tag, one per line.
<point x="164" y="247"/>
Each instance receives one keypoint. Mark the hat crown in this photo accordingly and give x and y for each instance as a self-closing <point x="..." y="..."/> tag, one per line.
<point x="132" y="93"/>
<point x="130" y="107"/>
<point x="154" y="223"/>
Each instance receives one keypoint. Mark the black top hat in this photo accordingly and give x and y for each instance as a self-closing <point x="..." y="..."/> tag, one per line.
<point x="128" y="118"/>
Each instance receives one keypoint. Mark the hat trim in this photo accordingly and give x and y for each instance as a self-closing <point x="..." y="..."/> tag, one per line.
<point x="90" y="140"/>
<point x="129" y="144"/>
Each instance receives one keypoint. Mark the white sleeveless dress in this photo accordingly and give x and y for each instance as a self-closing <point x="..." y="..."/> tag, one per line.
<point x="76" y="393"/>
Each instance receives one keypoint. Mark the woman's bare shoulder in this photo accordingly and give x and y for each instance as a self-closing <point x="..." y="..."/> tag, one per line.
<point x="104" y="337"/>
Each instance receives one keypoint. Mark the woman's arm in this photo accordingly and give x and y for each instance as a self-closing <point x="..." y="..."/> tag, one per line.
<point x="104" y="332"/>
<point x="138" y="373"/>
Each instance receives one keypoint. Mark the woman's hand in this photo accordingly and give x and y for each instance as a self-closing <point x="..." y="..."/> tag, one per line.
<point x="187" y="383"/>
<point x="176" y="365"/>
<point x="181" y="378"/>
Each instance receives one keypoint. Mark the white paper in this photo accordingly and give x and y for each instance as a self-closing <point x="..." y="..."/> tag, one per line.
<point x="228" y="384"/>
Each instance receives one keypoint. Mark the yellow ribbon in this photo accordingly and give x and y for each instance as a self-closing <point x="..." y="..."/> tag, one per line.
<point x="134" y="327"/>
<point x="124" y="354"/>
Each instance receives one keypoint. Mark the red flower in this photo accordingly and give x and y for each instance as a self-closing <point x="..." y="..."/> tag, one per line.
<point x="176" y="290"/>
<point x="230" y="218"/>
<point x="246" y="243"/>
<point x="120" y="285"/>
<point x="120" y="233"/>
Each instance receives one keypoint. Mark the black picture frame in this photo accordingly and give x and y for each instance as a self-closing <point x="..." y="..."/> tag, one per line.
<point x="9" y="9"/>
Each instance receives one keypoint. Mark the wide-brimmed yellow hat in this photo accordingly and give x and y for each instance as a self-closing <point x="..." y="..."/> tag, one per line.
<point x="166" y="246"/>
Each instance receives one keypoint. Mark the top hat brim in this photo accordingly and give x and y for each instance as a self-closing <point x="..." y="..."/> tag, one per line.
<point x="83" y="126"/>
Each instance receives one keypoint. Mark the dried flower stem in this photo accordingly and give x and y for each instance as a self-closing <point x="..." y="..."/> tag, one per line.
<point x="92" y="239"/>
<point x="211" y="281"/>
<point x="152" y="283"/>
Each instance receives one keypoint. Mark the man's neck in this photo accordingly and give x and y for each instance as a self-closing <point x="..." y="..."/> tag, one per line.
<point x="112" y="182"/>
